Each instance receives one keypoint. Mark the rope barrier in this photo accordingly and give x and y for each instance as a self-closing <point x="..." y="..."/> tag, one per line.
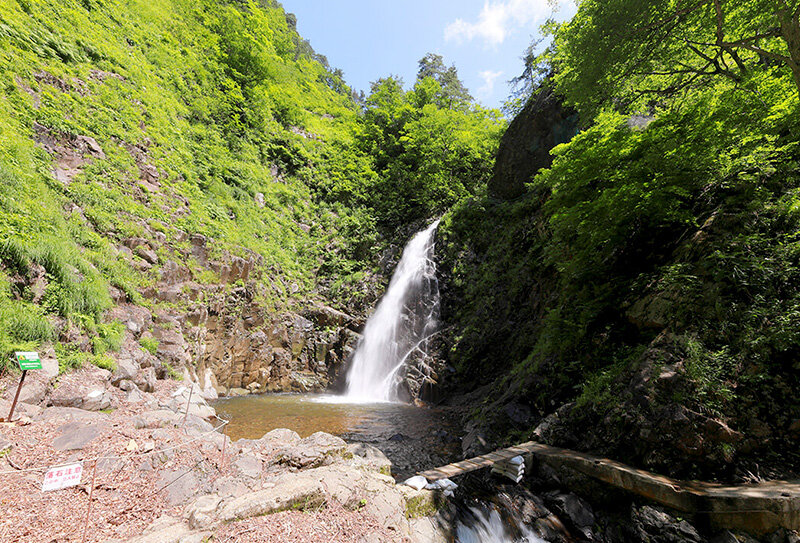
<point x="116" y="457"/>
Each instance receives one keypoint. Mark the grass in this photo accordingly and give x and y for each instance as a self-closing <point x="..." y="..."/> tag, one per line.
<point x="177" y="102"/>
<point x="149" y="344"/>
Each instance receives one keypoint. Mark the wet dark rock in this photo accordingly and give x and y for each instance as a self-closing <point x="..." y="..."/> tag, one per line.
<point x="398" y="437"/>
<point x="518" y="414"/>
<point x="656" y="526"/>
<point x="576" y="511"/>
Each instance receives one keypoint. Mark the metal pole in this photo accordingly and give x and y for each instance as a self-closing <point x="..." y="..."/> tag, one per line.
<point x="89" y="510"/>
<point x="188" y="405"/>
<point x="224" y="442"/>
<point x="16" y="396"/>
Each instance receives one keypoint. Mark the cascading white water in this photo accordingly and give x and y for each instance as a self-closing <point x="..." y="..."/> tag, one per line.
<point x="486" y="526"/>
<point x="401" y="325"/>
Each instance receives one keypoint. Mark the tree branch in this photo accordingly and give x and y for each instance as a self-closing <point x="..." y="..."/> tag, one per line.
<point x="768" y="54"/>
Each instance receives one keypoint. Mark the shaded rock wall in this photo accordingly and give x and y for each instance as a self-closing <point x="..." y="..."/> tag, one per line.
<point x="525" y="148"/>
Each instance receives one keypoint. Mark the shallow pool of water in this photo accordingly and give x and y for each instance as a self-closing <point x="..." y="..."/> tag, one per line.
<point x="414" y="438"/>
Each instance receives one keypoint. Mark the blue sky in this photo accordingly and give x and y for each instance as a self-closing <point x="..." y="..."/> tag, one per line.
<point x="369" y="39"/>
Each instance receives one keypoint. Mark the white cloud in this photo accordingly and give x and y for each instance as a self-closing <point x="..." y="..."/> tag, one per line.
<point x="489" y="77"/>
<point x="498" y="19"/>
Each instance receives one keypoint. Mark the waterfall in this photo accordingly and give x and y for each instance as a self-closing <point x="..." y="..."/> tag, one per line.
<point x="401" y="325"/>
<point x="483" y="525"/>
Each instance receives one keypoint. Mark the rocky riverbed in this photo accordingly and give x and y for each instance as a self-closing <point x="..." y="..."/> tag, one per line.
<point x="157" y="474"/>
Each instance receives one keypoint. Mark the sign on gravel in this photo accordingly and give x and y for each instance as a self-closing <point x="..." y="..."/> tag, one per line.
<point x="62" y="477"/>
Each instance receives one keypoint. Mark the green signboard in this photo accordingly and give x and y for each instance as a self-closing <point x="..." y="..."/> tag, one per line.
<point x="29" y="361"/>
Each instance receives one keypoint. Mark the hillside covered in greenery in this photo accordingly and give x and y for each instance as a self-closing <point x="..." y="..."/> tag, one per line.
<point x="130" y="128"/>
<point x="641" y="298"/>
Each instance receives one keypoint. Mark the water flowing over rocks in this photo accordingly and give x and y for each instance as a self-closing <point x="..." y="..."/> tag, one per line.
<point x="390" y="362"/>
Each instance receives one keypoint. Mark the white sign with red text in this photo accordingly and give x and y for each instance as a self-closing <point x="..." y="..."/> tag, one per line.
<point x="62" y="477"/>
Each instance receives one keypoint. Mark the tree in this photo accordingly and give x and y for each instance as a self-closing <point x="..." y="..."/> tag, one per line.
<point x="631" y="49"/>
<point x="453" y="92"/>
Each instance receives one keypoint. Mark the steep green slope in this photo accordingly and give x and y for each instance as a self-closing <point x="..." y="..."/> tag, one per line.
<point x="122" y="119"/>
<point x="641" y="298"/>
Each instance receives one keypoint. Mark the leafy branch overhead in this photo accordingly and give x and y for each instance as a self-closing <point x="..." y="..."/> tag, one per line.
<point x="641" y="52"/>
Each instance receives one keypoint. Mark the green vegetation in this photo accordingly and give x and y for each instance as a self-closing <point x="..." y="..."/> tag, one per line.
<point x="666" y="230"/>
<point x="172" y="373"/>
<point x="142" y="120"/>
<point x="149" y="344"/>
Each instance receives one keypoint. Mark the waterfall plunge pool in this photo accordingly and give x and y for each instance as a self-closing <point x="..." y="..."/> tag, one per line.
<point x="414" y="438"/>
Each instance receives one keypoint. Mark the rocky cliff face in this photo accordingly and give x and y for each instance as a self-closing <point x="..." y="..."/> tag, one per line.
<point x="525" y="148"/>
<point x="227" y="339"/>
<point x="670" y="369"/>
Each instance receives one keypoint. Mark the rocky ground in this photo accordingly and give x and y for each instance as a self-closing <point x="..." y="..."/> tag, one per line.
<point x="162" y="475"/>
<point x="158" y="468"/>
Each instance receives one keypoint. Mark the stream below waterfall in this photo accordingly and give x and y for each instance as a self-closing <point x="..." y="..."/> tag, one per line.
<point x="395" y="341"/>
<point x="413" y="438"/>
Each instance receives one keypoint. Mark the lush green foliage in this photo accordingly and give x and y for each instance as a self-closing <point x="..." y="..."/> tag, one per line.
<point x="214" y="118"/>
<point x="431" y="145"/>
<point x="671" y="235"/>
<point x="639" y="53"/>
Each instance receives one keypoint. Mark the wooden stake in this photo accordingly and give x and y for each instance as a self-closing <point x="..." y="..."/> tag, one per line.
<point x="16" y="396"/>
<point x="89" y="510"/>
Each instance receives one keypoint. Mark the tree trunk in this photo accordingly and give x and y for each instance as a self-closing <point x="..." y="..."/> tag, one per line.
<point x="790" y="31"/>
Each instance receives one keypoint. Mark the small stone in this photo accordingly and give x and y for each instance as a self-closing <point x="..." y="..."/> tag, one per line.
<point x="200" y="512"/>
<point x="147" y="254"/>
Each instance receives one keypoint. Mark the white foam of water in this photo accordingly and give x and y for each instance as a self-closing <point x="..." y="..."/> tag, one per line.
<point x="401" y="325"/>
<point x="487" y="527"/>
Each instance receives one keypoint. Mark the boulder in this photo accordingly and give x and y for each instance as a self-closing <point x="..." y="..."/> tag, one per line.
<point x="654" y="525"/>
<point x="76" y="435"/>
<point x="200" y="513"/>
<point x="307" y="382"/>
<point x="248" y="465"/>
<point x="426" y="530"/>
<point x="146" y="380"/>
<point x="70" y="414"/>
<point x="291" y="493"/>
<point x="325" y="316"/>
<point x="126" y="369"/>
<point x="86" y="397"/>
<point x="83" y="389"/>
<point x="34" y="389"/>
<point x="197" y="404"/>
<point x="146" y="254"/>
<point x="315" y="450"/>
<point x="179" y="485"/>
<point x="165" y="530"/>
<point x="370" y="458"/>
<point x="279" y="438"/>
<point x="29" y="410"/>
<point x="157" y="419"/>
<point x="578" y="512"/>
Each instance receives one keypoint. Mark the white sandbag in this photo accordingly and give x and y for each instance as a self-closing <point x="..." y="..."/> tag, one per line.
<point x="442" y="484"/>
<point x="417" y="483"/>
